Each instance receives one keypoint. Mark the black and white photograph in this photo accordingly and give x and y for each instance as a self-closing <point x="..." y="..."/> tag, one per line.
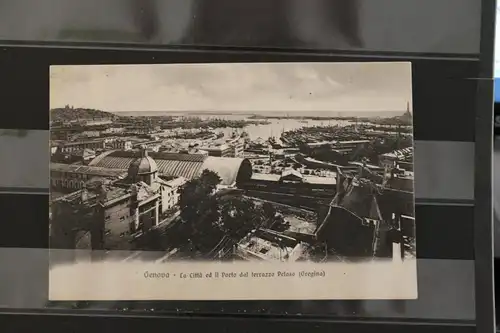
<point x="232" y="181"/>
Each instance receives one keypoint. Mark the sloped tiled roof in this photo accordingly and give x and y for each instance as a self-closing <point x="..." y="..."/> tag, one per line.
<point x="188" y="166"/>
<point x="291" y="172"/>
<point x="179" y="168"/>
<point x="91" y="170"/>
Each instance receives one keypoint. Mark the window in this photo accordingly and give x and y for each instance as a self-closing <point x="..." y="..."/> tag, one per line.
<point x="107" y="217"/>
<point x="122" y="218"/>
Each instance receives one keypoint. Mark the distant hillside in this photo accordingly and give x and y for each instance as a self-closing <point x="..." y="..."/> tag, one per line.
<point x="70" y="113"/>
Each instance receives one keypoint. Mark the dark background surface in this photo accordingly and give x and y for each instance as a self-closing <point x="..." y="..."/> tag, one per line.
<point x="445" y="227"/>
<point x="415" y="26"/>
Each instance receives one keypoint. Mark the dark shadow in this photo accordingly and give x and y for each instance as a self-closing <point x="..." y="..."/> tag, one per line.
<point x="345" y="15"/>
<point x="146" y="18"/>
<point x="274" y="23"/>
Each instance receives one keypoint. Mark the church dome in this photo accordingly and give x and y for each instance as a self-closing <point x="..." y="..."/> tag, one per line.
<point x="142" y="166"/>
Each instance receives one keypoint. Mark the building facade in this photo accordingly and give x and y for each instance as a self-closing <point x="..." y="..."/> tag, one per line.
<point x="391" y="159"/>
<point x="68" y="147"/>
<point x="171" y="193"/>
<point x="114" y="130"/>
<point x="238" y="147"/>
<point x="111" y="213"/>
<point x="220" y="151"/>
<point x="91" y="134"/>
<point x="69" y="177"/>
<point x="121" y="144"/>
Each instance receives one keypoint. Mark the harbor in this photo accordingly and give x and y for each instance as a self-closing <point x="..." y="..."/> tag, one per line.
<point x="289" y="162"/>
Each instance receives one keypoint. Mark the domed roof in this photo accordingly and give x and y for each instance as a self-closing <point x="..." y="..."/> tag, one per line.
<point x="143" y="165"/>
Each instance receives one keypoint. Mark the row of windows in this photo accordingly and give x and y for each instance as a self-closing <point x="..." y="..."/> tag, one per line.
<point x="70" y="184"/>
<point x="82" y="146"/>
<point x="122" y="218"/>
<point x="120" y="144"/>
<point x="69" y="175"/>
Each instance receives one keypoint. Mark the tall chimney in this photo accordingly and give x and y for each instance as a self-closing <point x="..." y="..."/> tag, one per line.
<point x="144" y="152"/>
<point x="102" y="194"/>
<point x="85" y="195"/>
<point x="339" y="181"/>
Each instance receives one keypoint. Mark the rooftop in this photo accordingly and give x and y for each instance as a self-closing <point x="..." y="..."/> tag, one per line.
<point x="401" y="154"/>
<point x="111" y="193"/>
<point x="320" y="143"/>
<point x="144" y="191"/>
<point x="188" y="166"/>
<point x="299" y="224"/>
<point x="352" y="142"/>
<point x="84" y="152"/>
<point x="215" y="148"/>
<point x="74" y="143"/>
<point x="270" y="177"/>
<point x="306" y="179"/>
<point x="320" y="180"/>
<point x="264" y="248"/>
<point x="271" y="245"/>
<point x="89" y="170"/>
<point x="142" y="165"/>
<point x="176" y="182"/>
<point x="291" y="172"/>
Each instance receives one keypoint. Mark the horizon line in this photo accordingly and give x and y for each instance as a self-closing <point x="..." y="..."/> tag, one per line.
<point x="235" y="111"/>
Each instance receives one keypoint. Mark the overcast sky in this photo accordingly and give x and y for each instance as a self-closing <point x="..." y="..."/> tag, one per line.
<point x="339" y="87"/>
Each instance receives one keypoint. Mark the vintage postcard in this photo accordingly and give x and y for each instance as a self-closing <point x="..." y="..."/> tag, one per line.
<point x="249" y="181"/>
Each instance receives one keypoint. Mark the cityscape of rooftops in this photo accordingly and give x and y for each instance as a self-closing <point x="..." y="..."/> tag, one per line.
<point x="222" y="186"/>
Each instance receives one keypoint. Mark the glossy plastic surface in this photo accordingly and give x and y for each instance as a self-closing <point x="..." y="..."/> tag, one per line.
<point x="445" y="196"/>
<point x="415" y="26"/>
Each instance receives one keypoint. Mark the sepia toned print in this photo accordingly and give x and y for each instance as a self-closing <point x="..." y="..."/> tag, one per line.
<point x="232" y="181"/>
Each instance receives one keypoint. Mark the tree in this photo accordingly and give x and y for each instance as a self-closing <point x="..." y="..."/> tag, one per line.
<point x="199" y="209"/>
<point x="268" y="214"/>
<point x="269" y="210"/>
<point x="238" y="216"/>
<point x="153" y="240"/>
<point x="210" y="179"/>
<point x="195" y="196"/>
